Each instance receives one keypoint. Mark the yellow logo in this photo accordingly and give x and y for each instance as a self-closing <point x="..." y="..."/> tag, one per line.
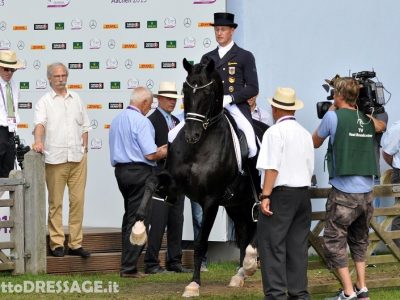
<point x="110" y="26"/>
<point x="129" y="46"/>
<point x="146" y="66"/>
<point x="94" y="106"/>
<point x="38" y="47"/>
<point x="76" y="86"/>
<point x="204" y="24"/>
<point x="106" y="126"/>
<point x="20" y="27"/>
<point x="23" y="125"/>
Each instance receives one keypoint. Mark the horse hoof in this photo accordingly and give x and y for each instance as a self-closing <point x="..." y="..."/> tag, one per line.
<point x="192" y="290"/>
<point x="138" y="234"/>
<point x="250" y="261"/>
<point x="236" y="281"/>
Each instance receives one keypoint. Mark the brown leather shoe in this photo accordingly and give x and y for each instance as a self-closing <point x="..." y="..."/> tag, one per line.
<point x="132" y="275"/>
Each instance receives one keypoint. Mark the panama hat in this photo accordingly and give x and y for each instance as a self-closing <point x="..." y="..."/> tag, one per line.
<point x="8" y="59"/>
<point x="168" y="89"/>
<point x="138" y="234"/>
<point x="224" y="19"/>
<point x="285" y="98"/>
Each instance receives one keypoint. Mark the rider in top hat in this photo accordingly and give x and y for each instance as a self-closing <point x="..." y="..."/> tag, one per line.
<point x="238" y="72"/>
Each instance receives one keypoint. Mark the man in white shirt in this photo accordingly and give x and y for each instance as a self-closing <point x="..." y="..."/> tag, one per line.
<point x="61" y="133"/>
<point x="286" y="160"/>
<point x="9" y="118"/>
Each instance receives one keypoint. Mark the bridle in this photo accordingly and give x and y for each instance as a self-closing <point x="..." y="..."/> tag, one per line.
<point x="204" y="119"/>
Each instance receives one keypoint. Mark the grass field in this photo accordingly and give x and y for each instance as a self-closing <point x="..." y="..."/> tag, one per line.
<point x="165" y="286"/>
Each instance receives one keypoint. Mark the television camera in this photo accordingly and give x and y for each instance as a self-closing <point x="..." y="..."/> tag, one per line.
<point x="371" y="98"/>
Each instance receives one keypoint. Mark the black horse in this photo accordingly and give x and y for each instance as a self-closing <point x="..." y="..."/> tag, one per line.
<point x="203" y="166"/>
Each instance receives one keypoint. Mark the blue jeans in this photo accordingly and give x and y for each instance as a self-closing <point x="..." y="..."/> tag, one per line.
<point x="197" y="218"/>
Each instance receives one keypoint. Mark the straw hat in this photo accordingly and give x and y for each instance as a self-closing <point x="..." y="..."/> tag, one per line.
<point x="168" y="89"/>
<point x="138" y="234"/>
<point x="8" y="59"/>
<point x="285" y="98"/>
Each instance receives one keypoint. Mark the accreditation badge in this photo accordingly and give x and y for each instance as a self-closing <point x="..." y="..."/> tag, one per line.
<point x="231" y="79"/>
<point x="232" y="70"/>
<point x="12" y="124"/>
<point x="231" y="89"/>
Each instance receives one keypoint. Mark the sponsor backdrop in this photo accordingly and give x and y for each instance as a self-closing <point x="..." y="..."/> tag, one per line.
<point x="110" y="47"/>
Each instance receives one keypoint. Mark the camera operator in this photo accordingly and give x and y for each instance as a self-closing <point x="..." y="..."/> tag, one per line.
<point x="9" y="93"/>
<point x="352" y="164"/>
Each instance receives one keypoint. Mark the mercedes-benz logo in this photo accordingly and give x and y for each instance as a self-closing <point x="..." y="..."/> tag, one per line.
<point x="36" y="64"/>
<point x="20" y="45"/>
<point x="149" y="84"/>
<point x="3" y="25"/>
<point x="111" y="44"/>
<point x="92" y="24"/>
<point x="94" y="124"/>
<point x="206" y="42"/>
<point x="187" y="22"/>
<point x="128" y="63"/>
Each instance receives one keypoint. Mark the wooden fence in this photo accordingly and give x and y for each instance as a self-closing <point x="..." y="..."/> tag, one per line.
<point x="27" y="203"/>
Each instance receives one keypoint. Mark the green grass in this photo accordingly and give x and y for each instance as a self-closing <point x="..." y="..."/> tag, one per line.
<point x="171" y="286"/>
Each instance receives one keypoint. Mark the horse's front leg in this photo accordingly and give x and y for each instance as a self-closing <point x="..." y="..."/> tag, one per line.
<point x="138" y="234"/>
<point x="200" y="249"/>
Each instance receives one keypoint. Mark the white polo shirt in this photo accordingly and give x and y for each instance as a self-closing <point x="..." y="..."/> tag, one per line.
<point x="287" y="148"/>
<point x="391" y="143"/>
<point x="65" y="120"/>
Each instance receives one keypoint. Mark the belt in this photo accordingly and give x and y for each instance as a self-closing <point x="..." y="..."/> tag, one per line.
<point x="289" y="188"/>
<point x="133" y="163"/>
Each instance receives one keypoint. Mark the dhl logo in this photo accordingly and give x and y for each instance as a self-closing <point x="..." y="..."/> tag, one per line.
<point x="94" y="106"/>
<point x="75" y="86"/>
<point x="204" y="24"/>
<point x="129" y="46"/>
<point x="23" y="125"/>
<point x="110" y="26"/>
<point x="38" y="47"/>
<point x="20" y="27"/>
<point x="146" y="66"/>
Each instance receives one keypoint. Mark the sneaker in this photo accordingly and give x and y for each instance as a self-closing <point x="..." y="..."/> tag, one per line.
<point x="203" y="267"/>
<point x="362" y="294"/>
<point x="341" y="296"/>
<point x="58" y="252"/>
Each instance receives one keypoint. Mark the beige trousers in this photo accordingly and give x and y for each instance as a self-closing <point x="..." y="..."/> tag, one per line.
<point x="73" y="175"/>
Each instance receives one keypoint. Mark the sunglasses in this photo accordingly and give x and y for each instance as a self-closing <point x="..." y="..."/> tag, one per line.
<point x="9" y="70"/>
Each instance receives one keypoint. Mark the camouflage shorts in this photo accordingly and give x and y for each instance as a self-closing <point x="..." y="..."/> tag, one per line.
<point x="347" y="220"/>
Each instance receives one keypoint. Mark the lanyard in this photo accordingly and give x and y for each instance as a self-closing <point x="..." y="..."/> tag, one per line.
<point x="286" y="118"/>
<point x="4" y="100"/>
<point x="134" y="108"/>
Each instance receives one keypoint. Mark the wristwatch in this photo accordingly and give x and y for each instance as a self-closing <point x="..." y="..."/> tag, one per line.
<point x="262" y="197"/>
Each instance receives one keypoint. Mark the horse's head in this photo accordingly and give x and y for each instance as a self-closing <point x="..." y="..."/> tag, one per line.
<point x="203" y="95"/>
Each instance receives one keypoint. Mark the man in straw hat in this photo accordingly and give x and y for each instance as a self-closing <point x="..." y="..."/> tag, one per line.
<point x="8" y="109"/>
<point x="238" y="72"/>
<point x="286" y="160"/>
<point x="162" y="214"/>
<point x="351" y="165"/>
<point x="133" y="153"/>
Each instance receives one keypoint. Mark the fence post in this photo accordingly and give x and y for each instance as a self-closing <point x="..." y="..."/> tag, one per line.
<point x="17" y="216"/>
<point x="35" y="213"/>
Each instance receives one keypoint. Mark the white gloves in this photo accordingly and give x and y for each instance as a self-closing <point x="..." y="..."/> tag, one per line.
<point x="227" y="100"/>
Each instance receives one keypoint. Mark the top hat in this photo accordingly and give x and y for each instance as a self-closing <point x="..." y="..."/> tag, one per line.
<point x="224" y="19"/>
<point x="285" y="98"/>
<point x="168" y="89"/>
<point x="8" y="59"/>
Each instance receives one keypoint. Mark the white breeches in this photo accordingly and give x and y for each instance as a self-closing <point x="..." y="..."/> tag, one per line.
<point x="244" y="125"/>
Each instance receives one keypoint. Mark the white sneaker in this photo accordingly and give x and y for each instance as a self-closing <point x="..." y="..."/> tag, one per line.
<point x="341" y="296"/>
<point x="362" y="294"/>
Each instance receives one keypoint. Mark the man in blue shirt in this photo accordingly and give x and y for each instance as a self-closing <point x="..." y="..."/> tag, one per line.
<point x="352" y="164"/>
<point x="133" y="153"/>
